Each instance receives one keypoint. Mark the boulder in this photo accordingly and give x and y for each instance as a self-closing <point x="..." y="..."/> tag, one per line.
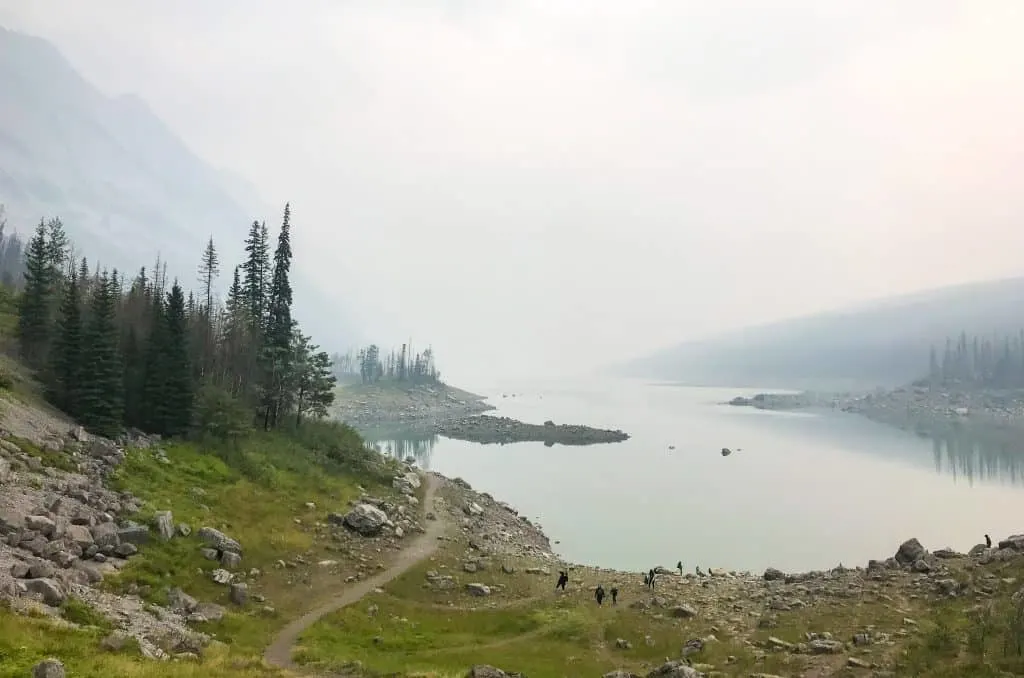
<point x="222" y="577"/>
<point x="621" y="673"/>
<point x="1015" y="542"/>
<point x="48" y="668"/>
<point x="486" y="671"/>
<point x="675" y="669"/>
<point x="230" y="560"/>
<point x="164" y="522"/>
<point x="41" y="570"/>
<point x="684" y="611"/>
<point x="105" y="535"/>
<point x="910" y="552"/>
<point x="207" y="612"/>
<point x="51" y="591"/>
<point x="184" y="529"/>
<point x="407" y="483"/>
<point x="5" y="471"/>
<point x="179" y="601"/>
<point x="239" y="594"/>
<point x="133" y="533"/>
<point x="79" y="535"/>
<point x="219" y="540"/>
<point x="477" y="589"/>
<point x="822" y="646"/>
<point x="365" y="519"/>
<point x="126" y="549"/>
<point x="41" y="524"/>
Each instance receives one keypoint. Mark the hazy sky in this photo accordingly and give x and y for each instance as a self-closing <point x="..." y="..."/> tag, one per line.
<point x="554" y="185"/>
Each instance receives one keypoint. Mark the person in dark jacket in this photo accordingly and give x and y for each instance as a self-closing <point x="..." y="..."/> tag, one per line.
<point x="679" y="566"/>
<point x="988" y="541"/>
<point x="650" y="579"/>
<point x="615" y="595"/>
<point x="599" y="594"/>
<point x="563" y="579"/>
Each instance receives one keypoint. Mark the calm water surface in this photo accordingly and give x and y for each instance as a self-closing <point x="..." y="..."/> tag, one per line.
<point x="801" y="491"/>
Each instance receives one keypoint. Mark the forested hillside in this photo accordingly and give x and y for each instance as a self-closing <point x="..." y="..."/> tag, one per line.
<point x="116" y="351"/>
<point x="881" y="343"/>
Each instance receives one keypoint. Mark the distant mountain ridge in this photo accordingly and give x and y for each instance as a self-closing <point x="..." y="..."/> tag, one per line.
<point x="124" y="184"/>
<point x="878" y="343"/>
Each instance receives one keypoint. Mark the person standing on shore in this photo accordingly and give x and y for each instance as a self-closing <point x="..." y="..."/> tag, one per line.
<point x="563" y="579"/>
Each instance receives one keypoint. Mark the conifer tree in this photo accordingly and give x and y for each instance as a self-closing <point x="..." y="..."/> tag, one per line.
<point x="34" y="308"/>
<point x="256" y="270"/>
<point x="68" y="355"/>
<point x="154" y="408"/>
<point x="178" y="383"/>
<point x="102" y="403"/>
<point x="278" y="342"/>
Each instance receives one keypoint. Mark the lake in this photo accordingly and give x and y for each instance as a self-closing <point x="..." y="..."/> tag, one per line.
<point x="801" y="491"/>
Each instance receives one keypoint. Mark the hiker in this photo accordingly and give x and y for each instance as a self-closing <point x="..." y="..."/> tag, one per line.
<point x="699" y="573"/>
<point x="563" y="579"/>
<point x="988" y="541"/>
<point x="650" y="579"/>
<point x="679" y="566"/>
<point x="615" y="594"/>
<point x="599" y="594"/>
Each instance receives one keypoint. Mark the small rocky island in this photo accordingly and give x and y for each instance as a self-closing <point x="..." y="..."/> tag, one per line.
<point x="489" y="430"/>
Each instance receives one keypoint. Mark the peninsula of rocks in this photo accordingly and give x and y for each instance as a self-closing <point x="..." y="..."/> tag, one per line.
<point x="375" y="409"/>
<point x="489" y="430"/>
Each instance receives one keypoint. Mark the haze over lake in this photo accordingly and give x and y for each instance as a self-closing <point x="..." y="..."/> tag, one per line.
<point x="800" y="491"/>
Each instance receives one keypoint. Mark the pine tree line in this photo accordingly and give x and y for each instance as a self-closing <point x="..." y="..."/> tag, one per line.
<point x="401" y="365"/>
<point x="139" y="353"/>
<point x="976" y="361"/>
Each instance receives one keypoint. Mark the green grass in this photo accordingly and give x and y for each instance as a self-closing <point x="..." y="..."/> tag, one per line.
<point x="48" y="458"/>
<point x="255" y="492"/>
<point x="77" y="611"/>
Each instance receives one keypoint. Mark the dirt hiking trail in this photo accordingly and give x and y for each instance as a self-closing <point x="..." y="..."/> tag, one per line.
<point x="279" y="653"/>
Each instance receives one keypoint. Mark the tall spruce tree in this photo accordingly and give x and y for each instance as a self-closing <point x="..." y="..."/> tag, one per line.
<point x="36" y="299"/>
<point x="154" y="410"/>
<point x="277" y="348"/>
<point x="256" y="270"/>
<point x="67" y="355"/>
<point x="102" y="391"/>
<point x="178" y="382"/>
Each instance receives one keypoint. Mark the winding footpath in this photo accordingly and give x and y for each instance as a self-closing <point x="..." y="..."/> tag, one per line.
<point x="279" y="653"/>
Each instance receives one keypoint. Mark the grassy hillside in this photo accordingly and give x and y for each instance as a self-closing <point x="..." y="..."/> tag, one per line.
<point x="879" y="343"/>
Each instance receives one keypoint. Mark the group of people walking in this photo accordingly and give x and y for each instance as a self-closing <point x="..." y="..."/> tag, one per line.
<point x="599" y="593"/>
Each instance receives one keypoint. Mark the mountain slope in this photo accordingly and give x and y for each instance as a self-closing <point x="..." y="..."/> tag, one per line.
<point x="879" y="343"/>
<point x="125" y="186"/>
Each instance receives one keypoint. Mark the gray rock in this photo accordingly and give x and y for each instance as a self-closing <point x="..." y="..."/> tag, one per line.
<point x="51" y="591"/>
<point x="623" y="644"/>
<point x="365" y="519"/>
<point x="179" y="601"/>
<point x="230" y="560"/>
<point x="222" y="577"/>
<point x="684" y="611"/>
<point x="486" y="671"/>
<point x="219" y="540"/>
<point x="921" y="565"/>
<point x="821" y="646"/>
<point x="977" y="550"/>
<point x="134" y="533"/>
<point x="164" y="521"/>
<point x="946" y="554"/>
<point x="909" y="552"/>
<point x="209" y="554"/>
<point x="675" y="669"/>
<point x="80" y="535"/>
<point x="1015" y="542"/>
<point x="407" y="483"/>
<point x="184" y="529"/>
<point x="41" y="524"/>
<point x="621" y="673"/>
<point x="239" y="594"/>
<point x="207" y="612"/>
<point x="5" y="471"/>
<point x="41" y="570"/>
<point x="48" y="668"/>
<point x="19" y="570"/>
<point x="477" y="589"/>
<point x="126" y="549"/>
<point x="9" y="587"/>
<point x="105" y="535"/>
<point x="473" y="509"/>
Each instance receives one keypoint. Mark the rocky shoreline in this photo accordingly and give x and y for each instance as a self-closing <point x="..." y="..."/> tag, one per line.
<point x="490" y="430"/>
